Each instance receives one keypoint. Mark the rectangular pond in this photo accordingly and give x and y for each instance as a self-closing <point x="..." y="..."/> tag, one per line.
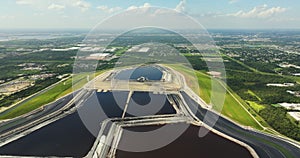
<point x="148" y="103"/>
<point x="150" y="73"/>
<point x="186" y="145"/>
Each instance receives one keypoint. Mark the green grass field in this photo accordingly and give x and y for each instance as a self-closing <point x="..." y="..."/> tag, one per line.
<point x="255" y="106"/>
<point x="61" y="89"/>
<point x="276" y="105"/>
<point x="242" y="103"/>
<point x="233" y="105"/>
<point x="121" y="51"/>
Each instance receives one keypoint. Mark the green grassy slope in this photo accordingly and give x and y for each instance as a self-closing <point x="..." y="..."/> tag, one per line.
<point x="61" y="89"/>
<point x="234" y="107"/>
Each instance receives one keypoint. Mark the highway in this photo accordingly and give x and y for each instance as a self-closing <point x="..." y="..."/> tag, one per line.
<point x="264" y="145"/>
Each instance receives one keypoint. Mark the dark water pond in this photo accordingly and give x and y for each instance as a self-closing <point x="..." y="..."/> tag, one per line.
<point x="187" y="145"/>
<point x="69" y="136"/>
<point x="147" y="103"/>
<point x="65" y="137"/>
<point x="149" y="72"/>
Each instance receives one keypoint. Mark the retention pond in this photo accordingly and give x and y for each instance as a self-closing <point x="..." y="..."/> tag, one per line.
<point x="187" y="145"/>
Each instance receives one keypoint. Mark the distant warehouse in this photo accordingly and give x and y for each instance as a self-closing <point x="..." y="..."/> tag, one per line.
<point x="99" y="56"/>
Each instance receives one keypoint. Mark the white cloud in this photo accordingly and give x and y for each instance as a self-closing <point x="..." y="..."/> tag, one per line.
<point x="38" y="14"/>
<point x="64" y="16"/>
<point x="181" y="7"/>
<point x="233" y="1"/>
<point x="109" y="10"/>
<point x="83" y="5"/>
<point x="24" y="2"/>
<point x="259" y="12"/>
<point x="56" y="7"/>
<point x="7" y="17"/>
<point x="132" y="7"/>
<point x="146" y="5"/>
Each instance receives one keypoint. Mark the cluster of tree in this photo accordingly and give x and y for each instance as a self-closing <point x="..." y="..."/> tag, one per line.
<point x="54" y="68"/>
<point x="106" y="65"/>
<point x="40" y="42"/>
<point x="274" y="95"/>
<point x="289" y="70"/>
<point x="197" y="63"/>
<point x="46" y="55"/>
<point x="257" y="77"/>
<point x="232" y="65"/>
<point x="262" y="66"/>
<point x="10" y="72"/>
<point x="241" y="82"/>
<point x="137" y="37"/>
<point x="277" y="118"/>
<point x="264" y="59"/>
<point x="51" y="59"/>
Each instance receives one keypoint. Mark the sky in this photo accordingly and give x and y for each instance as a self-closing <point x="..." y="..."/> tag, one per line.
<point x="212" y="14"/>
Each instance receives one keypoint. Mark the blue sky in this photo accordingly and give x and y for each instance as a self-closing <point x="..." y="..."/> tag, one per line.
<point x="228" y="14"/>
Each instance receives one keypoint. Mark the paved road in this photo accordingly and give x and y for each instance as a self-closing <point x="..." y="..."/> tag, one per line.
<point x="261" y="143"/>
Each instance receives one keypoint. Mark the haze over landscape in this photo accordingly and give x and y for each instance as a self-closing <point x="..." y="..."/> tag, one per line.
<point x="150" y="78"/>
<point x="230" y="14"/>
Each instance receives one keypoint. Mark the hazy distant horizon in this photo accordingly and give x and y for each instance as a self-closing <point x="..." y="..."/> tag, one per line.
<point x="85" y="14"/>
<point x="48" y="30"/>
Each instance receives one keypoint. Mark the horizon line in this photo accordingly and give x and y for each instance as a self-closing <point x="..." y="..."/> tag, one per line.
<point x="77" y="29"/>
